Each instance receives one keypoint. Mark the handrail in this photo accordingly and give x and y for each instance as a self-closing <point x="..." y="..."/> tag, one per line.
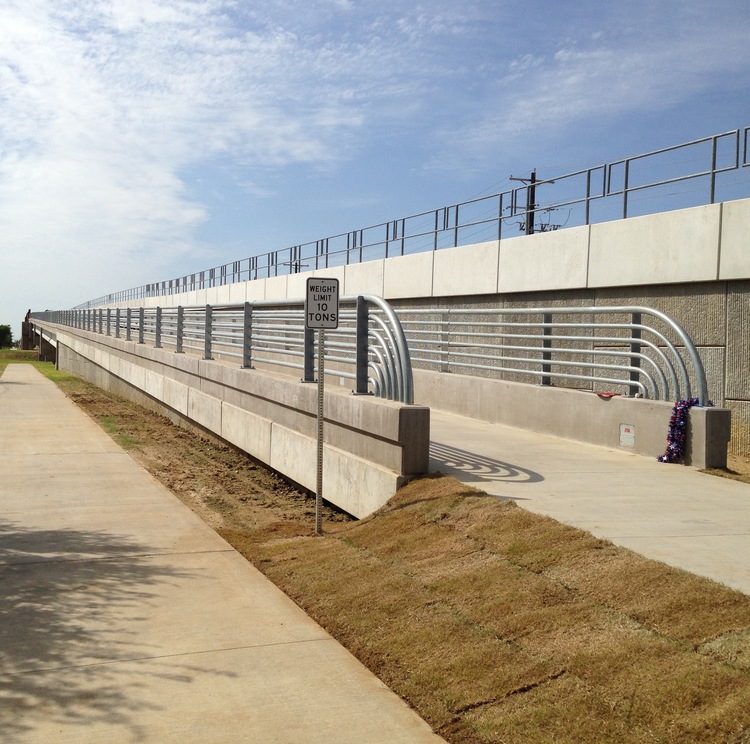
<point x="480" y="339"/>
<point x="267" y="332"/>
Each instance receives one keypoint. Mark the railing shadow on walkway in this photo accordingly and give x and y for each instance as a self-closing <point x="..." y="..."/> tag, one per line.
<point x="452" y="460"/>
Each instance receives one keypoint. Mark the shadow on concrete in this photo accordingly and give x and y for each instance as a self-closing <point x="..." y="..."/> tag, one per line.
<point x="451" y="460"/>
<point x="72" y="605"/>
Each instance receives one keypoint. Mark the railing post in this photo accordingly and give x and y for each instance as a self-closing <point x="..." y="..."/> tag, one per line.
<point x="635" y="348"/>
<point x="207" y="332"/>
<point x="363" y="351"/>
<point x="547" y="346"/>
<point x="180" y="329"/>
<point x="247" y="336"/>
<point x="117" y="323"/>
<point x="128" y="320"/>
<point x="445" y="341"/>
<point x="714" y="146"/>
<point x="100" y="313"/>
<point x="309" y="374"/>
<point x="625" y="183"/>
<point x="157" y="330"/>
<point x="141" y="318"/>
<point x="109" y="321"/>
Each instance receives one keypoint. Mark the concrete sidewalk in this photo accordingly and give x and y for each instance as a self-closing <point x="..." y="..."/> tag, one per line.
<point x="124" y="618"/>
<point x="672" y="513"/>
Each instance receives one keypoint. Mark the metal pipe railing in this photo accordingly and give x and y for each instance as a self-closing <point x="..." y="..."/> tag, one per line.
<point x="486" y="340"/>
<point x="270" y="333"/>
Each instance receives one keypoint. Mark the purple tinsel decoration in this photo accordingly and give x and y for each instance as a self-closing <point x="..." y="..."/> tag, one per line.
<point x="677" y="431"/>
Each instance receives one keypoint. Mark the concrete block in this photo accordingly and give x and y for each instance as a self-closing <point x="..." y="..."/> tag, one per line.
<point x="250" y="433"/>
<point x="153" y="384"/>
<point x="332" y="272"/>
<point x="175" y="395"/>
<point x="554" y="260"/>
<point x="364" y="278"/>
<point x="204" y="410"/>
<point x="294" y="455"/>
<point x="467" y="270"/>
<point x="350" y="483"/>
<point x="734" y="261"/>
<point x="678" y="246"/>
<point x="709" y="431"/>
<point x="296" y="286"/>
<point x="256" y="290"/>
<point x="276" y="288"/>
<point x="223" y="295"/>
<point x="355" y="485"/>
<point x="408" y="276"/>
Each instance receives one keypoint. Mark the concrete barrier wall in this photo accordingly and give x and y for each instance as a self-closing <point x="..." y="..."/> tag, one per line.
<point x="700" y="244"/>
<point x="693" y="264"/>
<point x="629" y="424"/>
<point x="371" y="446"/>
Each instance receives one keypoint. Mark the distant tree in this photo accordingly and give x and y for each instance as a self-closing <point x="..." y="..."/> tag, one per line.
<point x="6" y="337"/>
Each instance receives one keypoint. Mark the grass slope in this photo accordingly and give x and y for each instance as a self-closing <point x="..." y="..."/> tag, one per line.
<point x="499" y="625"/>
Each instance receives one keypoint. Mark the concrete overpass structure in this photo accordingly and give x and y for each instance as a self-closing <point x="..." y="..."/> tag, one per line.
<point x="692" y="264"/>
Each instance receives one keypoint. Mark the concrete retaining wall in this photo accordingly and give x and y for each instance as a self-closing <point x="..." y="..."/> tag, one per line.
<point x="371" y="446"/>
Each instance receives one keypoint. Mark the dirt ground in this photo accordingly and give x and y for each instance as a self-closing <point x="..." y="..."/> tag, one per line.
<point x="226" y="487"/>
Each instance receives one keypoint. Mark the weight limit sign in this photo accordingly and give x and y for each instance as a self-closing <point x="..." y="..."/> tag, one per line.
<point x="322" y="303"/>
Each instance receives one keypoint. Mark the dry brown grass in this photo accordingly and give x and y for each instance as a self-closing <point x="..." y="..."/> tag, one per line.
<point x="496" y="624"/>
<point x="499" y="625"/>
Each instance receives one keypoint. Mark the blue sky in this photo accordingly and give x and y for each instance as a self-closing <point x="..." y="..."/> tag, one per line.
<point x="146" y="139"/>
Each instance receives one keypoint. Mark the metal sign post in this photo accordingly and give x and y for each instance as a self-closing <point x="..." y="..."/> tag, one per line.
<point x="321" y="312"/>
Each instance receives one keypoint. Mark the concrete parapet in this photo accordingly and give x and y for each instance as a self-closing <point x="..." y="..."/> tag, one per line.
<point x="629" y="424"/>
<point x="553" y="260"/>
<point x="679" y="246"/>
<point x="371" y="446"/>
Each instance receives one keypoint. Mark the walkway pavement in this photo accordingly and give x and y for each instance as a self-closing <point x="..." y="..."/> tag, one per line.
<point x="672" y="513"/>
<point x="124" y="618"/>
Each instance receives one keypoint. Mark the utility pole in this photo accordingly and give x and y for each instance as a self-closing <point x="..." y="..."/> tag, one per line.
<point x="530" y="200"/>
<point x="530" y="203"/>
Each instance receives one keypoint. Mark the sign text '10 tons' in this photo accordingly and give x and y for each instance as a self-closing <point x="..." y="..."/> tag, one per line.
<point x="322" y="303"/>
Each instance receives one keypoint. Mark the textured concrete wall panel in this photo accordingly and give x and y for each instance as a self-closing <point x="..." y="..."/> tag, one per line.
<point x="738" y="341"/>
<point x="699" y="307"/>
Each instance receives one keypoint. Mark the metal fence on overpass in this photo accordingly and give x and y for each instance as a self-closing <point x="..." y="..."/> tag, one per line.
<point x="684" y="175"/>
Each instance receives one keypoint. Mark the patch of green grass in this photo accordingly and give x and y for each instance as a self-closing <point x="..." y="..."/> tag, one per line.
<point x="113" y="426"/>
